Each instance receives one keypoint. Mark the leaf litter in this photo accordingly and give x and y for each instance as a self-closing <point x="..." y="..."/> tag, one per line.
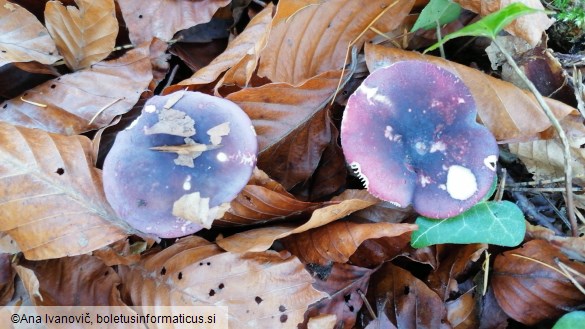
<point x="303" y="244"/>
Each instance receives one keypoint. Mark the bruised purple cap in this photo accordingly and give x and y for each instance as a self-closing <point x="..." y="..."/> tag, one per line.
<point x="178" y="166"/>
<point x="409" y="132"/>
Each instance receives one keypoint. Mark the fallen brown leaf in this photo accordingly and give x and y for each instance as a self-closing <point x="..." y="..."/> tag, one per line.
<point x="261" y="290"/>
<point x="54" y="204"/>
<point x="261" y="239"/>
<point x="528" y="27"/>
<point x="312" y="37"/>
<point x="23" y="37"/>
<point x="75" y="281"/>
<point x="461" y="312"/>
<point x="291" y="124"/>
<point x="572" y="247"/>
<point x="120" y="253"/>
<point x="511" y="114"/>
<point x="84" y="34"/>
<point x="163" y="18"/>
<point x="528" y="290"/>
<point x="406" y="300"/>
<point x="7" y="275"/>
<point x="337" y="241"/>
<point x="74" y="99"/>
<point x="241" y="55"/>
<point x="343" y="284"/>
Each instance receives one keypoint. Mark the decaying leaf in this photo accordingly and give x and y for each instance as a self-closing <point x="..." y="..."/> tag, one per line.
<point x="241" y="55"/>
<point x="194" y="208"/>
<point x="337" y="241"/>
<point x="163" y="18"/>
<point x="30" y="282"/>
<point x="529" y="27"/>
<point x="53" y="200"/>
<point x="67" y="104"/>
<point x="530" y="287"/>
<point x="261" y="290"/>
<point x="261" y="239"/>
<point x="7" y="275"/>
<point x="217" y="132"/>
<point x="75" y="281"/>
<point x="84" y="34"/>
<point x="291" y="124"/>
<point x="311" y="37"/>
<point x="511" y="114"/>
<point x="23" y="37"/>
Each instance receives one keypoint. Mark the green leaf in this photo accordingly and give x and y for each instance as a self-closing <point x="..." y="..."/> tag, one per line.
<point x="490" y="25"/>
<point x="442" y="11"/>
<point x="571" y="320"/>
<point x="500" y="223"/>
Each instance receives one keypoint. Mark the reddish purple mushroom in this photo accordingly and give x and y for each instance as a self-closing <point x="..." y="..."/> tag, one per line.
<point x="409" y="132"/>
<point x="178" y="166"/>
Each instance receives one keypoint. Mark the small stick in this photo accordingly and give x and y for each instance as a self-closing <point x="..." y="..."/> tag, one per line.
<point x="103" y="109"/>
<point x="33" y="103"/>
<point x="368" y="306"/>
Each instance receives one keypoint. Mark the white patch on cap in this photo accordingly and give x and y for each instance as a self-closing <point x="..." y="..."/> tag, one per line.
<point x="132" y="124"/>
<point x="438" y="146"/>
<point x="460" y="100"/>
<point x="222" y="157"/>
<point x="424" y="180"/>
<point x="372" y="94"/>
<point x="358" y="171"/>
<point x="393" y="137"/>
<point x="490" y="162"/>
<point x="187" y="183"/>
<point x="461" y="183"/>
<point x="150" y="109"/>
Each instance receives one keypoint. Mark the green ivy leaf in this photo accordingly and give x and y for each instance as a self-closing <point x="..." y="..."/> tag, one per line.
<point x="490" y="25"/>
<point x="572" y="320"/>
<point x="500" y="223"/>
<point x="442" y="11"/>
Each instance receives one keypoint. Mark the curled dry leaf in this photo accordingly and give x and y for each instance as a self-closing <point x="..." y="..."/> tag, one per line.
<point x="120" y="253"/>
<point x="84" y="34"/>
<point x="241" y="55"/>
<point x="528" y="27"/>
<point x="406" y="300"/>
<point x="163" y="18"/>
<point x="312" y="37"/>
<point x="520" y="283"/>
<point x="511" y="114"/>
<point x="572" y="247"/>
<point x="343" y="284"/>
<point x="461" y="311"/>
<point x="261" y="290"/>
<point x="29" y="281"/>
<point x="291" y="125"/>
<point x="23" y="37"/>
<point x="261" y="239"/>
<point x="545" y="159"/>
<point x="455" y="263"/>
<point x="75" y="281"/>
<point x="53" y="204"/>
<point x="337" y="241"/>
<point x="67" y="104"/>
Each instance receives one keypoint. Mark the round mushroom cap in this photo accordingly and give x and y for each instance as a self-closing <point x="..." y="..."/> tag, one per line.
<point x="177" y="167"/>
<point x="410" y="133"/>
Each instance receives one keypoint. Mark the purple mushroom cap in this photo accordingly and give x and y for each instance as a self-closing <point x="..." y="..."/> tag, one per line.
<point x="409" y="132"/>
<point x="187" y="156"/>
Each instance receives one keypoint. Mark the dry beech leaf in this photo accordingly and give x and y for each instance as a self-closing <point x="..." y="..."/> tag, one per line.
<point x="337" y="241"/>
<point x="322" y="321"/>
<point x="75" y="281"/>
<point x="241" y="54"/>
<point x="7" y="244"/>
<point x="528" y="27"/>
<point x="23" y="37"/>
<point x="511" y="113"/>
<point x="262" y="238"/>
<point x="310" y="38"/>
<point x="545" y="158"/>
<point x="572" y="247"/>
<point x="342" y="284"/>
<point x="490" y="314"/>
<point x="85" y="34"/>
<point x="30" y="282"/>
<point x="163" y="18"/>
<point x="53" y="204"/>
<point x="120" y="253"/>
<point x="7" y="275"/>
<point x="529" y="291"/>
<point x="74" y="99"/>
<point x="261" y="290"/>
<point x="406" y="300"/>
<point x="461" y="311"/>
<point x="291" y="124"/>
<point x="455" y="263"/>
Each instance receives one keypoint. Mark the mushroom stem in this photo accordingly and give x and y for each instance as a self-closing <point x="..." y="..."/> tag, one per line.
<point x="557" y="125"/>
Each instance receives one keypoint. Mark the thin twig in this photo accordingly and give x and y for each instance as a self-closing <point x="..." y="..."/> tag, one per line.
<point x="500" y="191"/>
<point x="542" y="189"/>
<point x="368" y="306"/>
<point x="441" y="49"/>
<point x="566" y="269"/>
<point x="557" y="125"/>
<point x="103" y="109"/>
<point x="172" y="76"/>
